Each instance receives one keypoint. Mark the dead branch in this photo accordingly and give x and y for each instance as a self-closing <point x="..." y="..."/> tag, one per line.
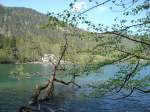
<point x="63" y="52"/>
<point x="37" y="92"/>
<point x="49" y="86"/>
<point x="128" y="76"/>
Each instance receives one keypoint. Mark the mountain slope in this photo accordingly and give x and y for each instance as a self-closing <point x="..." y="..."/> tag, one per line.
<point x="23" y="40"/>
<point x="25" y="22"/>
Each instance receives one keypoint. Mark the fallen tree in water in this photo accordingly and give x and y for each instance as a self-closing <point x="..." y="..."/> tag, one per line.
<point x="49" y="86"/>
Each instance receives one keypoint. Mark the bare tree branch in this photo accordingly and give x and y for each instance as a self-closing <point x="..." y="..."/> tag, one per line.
<point x="67" y="83"/>
<point x="127" y="37"/>
<point x="144" y="91"/>
<point x="128" y="76"/>
<point x="37" y="92"/>
<point x="52" y="78"/>
<point x="129" y="94"/>
<point x="50" y="84"/>
<point x="97" y="5"/>
<point x="134" y="25"/>
<point x="63" y="52"/>
<point x="133" y="54"/>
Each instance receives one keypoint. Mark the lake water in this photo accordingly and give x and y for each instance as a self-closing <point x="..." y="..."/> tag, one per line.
<point x="15" y="93"/>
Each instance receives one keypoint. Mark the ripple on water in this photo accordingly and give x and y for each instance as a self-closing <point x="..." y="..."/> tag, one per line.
<point x="16" y="94"/>
<point x="10" y="102"/>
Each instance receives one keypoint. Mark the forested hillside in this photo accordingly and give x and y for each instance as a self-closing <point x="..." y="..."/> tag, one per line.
<point x="23" y="38"/>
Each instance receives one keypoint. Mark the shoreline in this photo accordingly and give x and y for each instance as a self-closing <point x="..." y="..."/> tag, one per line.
<point x="34" y="62"/>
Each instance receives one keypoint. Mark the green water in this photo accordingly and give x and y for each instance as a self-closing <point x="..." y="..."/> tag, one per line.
<point x="15" y="93"/>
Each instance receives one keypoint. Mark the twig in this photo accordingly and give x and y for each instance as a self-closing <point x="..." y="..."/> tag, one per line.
<point x="127" y="37"/>
<point x="144" y="91"/>
<point x="99" y="4"/>
<point x="67" y="83"/>
<point x="132" y="54"/>
<point x="131" y="91"/>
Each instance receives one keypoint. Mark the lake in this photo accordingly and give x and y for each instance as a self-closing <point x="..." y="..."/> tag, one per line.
<point x="15" y="93"/>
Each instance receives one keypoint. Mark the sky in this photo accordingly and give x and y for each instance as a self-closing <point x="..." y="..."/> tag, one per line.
<point x="102" y="14"/>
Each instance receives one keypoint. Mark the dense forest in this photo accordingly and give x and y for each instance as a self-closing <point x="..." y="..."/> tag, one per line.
<point x="24" y="38"/>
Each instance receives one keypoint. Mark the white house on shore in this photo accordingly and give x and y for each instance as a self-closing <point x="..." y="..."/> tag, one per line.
<point x="48" y="58"/>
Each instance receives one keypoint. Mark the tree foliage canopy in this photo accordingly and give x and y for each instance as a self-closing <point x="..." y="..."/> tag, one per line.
<point x="125" y="41"/>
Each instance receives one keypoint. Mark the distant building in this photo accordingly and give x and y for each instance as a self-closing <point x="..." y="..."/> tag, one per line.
<point x="48" y="58"/>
